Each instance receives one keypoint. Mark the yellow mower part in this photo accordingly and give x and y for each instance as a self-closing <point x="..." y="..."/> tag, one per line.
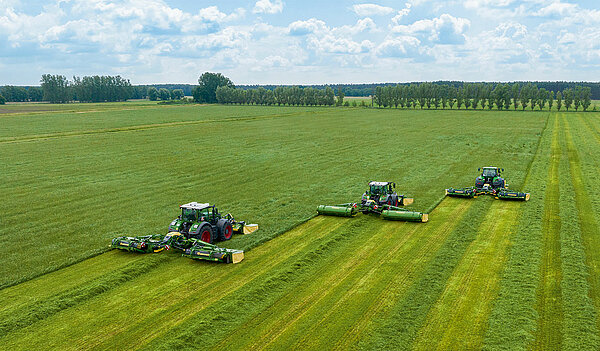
<point x="407" y="201"/>
<point x="250" y="228"/>
<point x="237" y="257"/>
<point x="425" y="217"/>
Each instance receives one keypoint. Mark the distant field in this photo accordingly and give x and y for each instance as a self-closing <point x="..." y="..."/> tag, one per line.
<point x="480" y="273"/>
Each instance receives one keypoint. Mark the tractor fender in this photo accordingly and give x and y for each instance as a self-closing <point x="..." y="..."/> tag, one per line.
<point x="195" y="228"/>
<point x="498" y="183"/>
<point x="479" y="181"/>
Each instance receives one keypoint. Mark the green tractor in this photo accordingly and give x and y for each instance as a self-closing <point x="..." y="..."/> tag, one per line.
<point x="380" y="198"/>
<point x="203" y="221"/>
<point x="489" y="182"/>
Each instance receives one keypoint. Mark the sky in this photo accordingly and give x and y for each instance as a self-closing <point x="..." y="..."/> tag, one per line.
<point x="301" y="42"/>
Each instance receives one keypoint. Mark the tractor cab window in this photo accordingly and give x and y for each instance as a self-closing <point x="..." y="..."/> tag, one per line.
<point x="206" y="213"/>
<point x="375" y="189"/>
<point x="489" y="172"/>
<point x="188" y="214"/>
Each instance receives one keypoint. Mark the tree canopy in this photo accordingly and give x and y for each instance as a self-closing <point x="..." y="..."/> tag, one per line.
<point x="209" y="82"/>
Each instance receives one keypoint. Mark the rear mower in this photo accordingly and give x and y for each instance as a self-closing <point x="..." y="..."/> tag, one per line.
<point x="148" y="243"/>
<point x="204" y="222"/>
<point x="381" y="199"/>
<point x="199" y="250"/>
<point x="192" y="248"/>
<point x="489" y="183"/>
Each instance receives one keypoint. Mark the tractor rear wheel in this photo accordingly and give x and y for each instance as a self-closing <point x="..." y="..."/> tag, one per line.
<point x="206" y="234"/>
<point x="225" y="229"/>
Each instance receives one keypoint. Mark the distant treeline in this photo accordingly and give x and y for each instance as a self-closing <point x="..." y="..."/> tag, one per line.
<point x="58" y="89"/>
<point x="368" y="89"/>
<point x="115" y="88"/>
<point x="294" y="96"/>
<point x="481" y="95"/>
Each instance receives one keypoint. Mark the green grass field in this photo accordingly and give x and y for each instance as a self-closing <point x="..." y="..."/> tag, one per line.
<point x="480" y="274"/>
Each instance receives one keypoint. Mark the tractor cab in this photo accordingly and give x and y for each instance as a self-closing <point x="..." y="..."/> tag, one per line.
<point x="490" y="176"/>
<point x="381" y="188"/>
<point x="381" y="193"/>
<point x="194" y="212"/>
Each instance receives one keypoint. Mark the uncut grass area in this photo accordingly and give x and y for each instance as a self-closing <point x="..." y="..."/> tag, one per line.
<point x="477" y="275"/>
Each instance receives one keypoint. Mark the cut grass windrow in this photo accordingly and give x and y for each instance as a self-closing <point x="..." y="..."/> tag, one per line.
<point x="549" y="334"/>
<point x="513" y="319"/>
<point x="346" y="296"/>
<point x="299" y="315"/>
<point x="581" y="246"/>
<point x="49" y="306"/>
<point x="24" y="296"/>
<point x="585" y="187"/>
<point x="131" y="313"/>
<point x="460" y="316"/>
<point x="398" y="328"/>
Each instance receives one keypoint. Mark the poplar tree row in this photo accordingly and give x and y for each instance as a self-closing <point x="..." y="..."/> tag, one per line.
<point x="481" y="95"/>
<point x="58" y="89"/>
<point x="291" y="96"/>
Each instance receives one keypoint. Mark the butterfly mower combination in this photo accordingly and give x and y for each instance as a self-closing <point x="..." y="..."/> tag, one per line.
<point x="489" y="183"/>
<point x="380" y="199"/>
<point x="193" y="233"/>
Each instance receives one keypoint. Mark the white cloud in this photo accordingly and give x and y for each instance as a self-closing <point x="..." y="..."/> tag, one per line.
<point x="402" y="46"/>
<point x="365" y="10"/>
<point x="445" y="29"/>
<point x="401" y="14"/>
<point x="556" y="9"/>
<point x="153" y="40"/>
<point x="266" y="6"/>
<point x="312" y="25"/>
<point x="362" y="25"/>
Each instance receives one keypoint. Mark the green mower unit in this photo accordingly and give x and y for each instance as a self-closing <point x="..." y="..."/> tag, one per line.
<point x="200" y="250"/>
<point x="148" y="243"/>
<point x="204" y="222"/>
<point x="192" y="248"/>
<point x="380" y="199"/>
<point x="489" y="183"/>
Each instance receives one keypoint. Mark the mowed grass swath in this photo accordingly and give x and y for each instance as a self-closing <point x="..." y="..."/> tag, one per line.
<point x="472" y="277"/>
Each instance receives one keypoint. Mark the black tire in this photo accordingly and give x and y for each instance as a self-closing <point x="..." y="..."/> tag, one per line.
<point x="393" y="200"/>
<point x="225" y="229"/>
<point x="206" y="234"/>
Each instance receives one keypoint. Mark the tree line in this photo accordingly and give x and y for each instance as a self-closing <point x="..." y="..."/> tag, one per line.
<point x="291" y="96"/>
<point x="164" y="94"/>
<point x="58" y="89"/>
<point x="481" y="95"/>
<point x="20" y="94"/>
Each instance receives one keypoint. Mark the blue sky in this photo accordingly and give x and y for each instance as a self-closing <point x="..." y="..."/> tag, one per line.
<point x="301" y="42"/>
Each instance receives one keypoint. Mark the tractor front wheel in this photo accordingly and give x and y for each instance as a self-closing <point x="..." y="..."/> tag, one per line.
<point x="225" y="229"/>
<point x="206" y="234"/>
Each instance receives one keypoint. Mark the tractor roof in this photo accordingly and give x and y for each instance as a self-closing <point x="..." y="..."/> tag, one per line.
<point x="195" y="206"/>
<point x="379" y="183"/>
<point x="489" y="167"/>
